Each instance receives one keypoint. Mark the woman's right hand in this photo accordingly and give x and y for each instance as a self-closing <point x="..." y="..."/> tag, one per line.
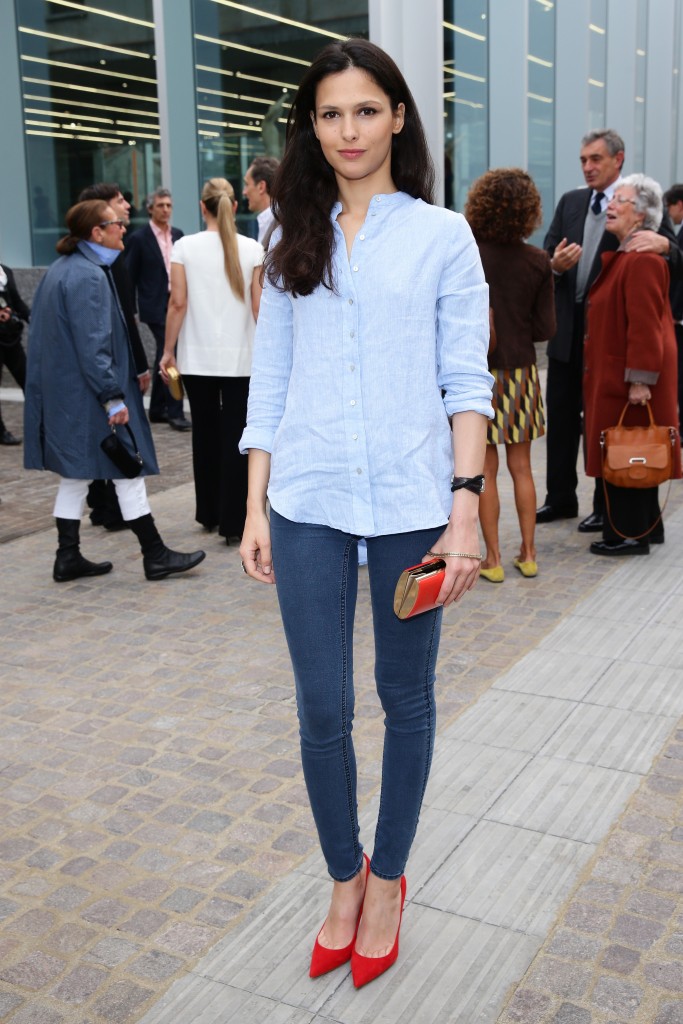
<point x="255" y="550"/>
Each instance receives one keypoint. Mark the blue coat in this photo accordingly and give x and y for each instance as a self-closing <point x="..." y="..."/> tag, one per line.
<point x="79" y="357"/>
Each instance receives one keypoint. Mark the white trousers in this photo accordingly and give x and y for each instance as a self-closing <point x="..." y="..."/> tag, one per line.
<point x="132" y="495"/>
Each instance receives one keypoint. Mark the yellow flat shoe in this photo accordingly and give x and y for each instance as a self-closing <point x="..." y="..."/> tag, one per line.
<point x="527" y="569"/>
<point x="495" y="575"/>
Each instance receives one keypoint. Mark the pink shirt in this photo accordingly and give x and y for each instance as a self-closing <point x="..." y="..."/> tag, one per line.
<point x="163" y="237"/>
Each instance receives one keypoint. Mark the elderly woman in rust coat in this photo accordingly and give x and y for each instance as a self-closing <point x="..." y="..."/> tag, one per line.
<point x="630" y="356"/>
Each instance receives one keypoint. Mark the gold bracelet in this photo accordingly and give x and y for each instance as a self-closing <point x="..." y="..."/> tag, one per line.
<point x="454" y="554"/>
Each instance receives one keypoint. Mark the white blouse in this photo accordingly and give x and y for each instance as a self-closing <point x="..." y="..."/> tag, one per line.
<point x="217" y="335"/>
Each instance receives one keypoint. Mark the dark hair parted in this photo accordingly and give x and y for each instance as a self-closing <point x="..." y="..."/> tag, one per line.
<point x="264" y="168"/>
<point x="503" y="206"/>
<point x="305" y="187"/>
<point x="100" y="190"/>
<point x="80" y="220"/>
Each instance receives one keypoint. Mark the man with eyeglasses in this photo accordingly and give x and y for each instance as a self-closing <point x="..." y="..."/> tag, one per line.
<point x="575" y="243"/>
<point x="148" y="258"/>
<point x="102" y="498"/>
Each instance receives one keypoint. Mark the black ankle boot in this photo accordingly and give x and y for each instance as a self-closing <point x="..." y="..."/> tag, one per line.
<point x="158" y="560"/>
<point x="70" y="563"/>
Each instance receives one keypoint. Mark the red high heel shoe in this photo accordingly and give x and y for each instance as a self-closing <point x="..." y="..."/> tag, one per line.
<point x="323" y="959"/>
<point x="366" y="968"/>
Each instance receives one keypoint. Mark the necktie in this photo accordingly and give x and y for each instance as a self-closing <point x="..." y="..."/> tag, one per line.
<point x="596" y="205"/>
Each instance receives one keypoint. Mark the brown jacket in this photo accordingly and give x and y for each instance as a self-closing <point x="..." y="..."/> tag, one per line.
<point x="629" y="327"/>
<point x="522" y="298"/>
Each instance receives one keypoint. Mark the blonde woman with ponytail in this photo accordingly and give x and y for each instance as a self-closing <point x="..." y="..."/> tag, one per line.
<point x="215" y="294"/>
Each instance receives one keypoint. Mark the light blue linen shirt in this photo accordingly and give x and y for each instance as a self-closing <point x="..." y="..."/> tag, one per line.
<point x="346" y="385"/>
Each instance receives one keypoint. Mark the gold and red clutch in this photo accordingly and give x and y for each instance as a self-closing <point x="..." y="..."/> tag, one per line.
<point x="418" y="588"/>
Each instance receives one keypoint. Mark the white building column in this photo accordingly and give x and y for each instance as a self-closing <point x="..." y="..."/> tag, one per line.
<point x="412" y="33"/>
<point x="659" y="94"/>
<point x="571" y="91"/>
<point x="508" y="83"/>
<point x="622" y="25"/>
<point x="174" y="42"/>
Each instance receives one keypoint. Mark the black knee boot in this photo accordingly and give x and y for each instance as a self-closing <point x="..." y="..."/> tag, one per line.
<point x="70" y="563"/>
<point x="158" y="560"/>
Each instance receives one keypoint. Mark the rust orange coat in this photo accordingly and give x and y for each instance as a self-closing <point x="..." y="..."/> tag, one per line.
<point x="629" y="326"/>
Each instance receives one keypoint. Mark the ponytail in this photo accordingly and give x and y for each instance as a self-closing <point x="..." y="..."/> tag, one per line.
<point x="218" y="197"/>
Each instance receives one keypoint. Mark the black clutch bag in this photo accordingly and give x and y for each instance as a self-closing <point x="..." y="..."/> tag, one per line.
<point x="127" y="462"/>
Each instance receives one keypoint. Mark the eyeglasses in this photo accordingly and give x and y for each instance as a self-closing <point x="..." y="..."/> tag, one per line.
<point x="620" y="200"/>
<point x="119" y="223"/>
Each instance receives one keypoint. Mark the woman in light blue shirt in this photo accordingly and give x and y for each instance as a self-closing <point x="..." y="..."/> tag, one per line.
<point x="369" y="391"/>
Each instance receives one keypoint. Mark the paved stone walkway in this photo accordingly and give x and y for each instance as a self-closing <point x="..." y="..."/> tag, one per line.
<point x="155" y="821"/>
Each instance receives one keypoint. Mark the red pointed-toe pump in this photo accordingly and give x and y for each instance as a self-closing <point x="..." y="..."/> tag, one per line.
<point x="366" y="968"/>
<point x="324" y="960"/>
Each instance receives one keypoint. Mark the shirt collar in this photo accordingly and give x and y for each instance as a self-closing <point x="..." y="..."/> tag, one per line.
<point x="383" y="199"/>
<point x="108" y="256"/>
<point x="163" y="233"/>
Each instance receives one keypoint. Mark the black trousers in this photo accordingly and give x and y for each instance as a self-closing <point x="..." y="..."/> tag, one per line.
<point x="564" y="414"/>
<point x="219" y="415"/>
<point x="14" y="358"/>
<point x="161" y="402"/>
<point x="679" y="345"/>
<point x="633" y="511"/>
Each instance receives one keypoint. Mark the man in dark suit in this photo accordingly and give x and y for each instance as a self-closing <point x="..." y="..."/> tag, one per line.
<point x="148" y="258"/>
<point x="673" y="205"/>
<point x="575" y="243"/>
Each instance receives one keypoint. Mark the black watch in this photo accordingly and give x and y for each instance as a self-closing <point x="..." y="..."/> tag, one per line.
<point x="475" y="484"/>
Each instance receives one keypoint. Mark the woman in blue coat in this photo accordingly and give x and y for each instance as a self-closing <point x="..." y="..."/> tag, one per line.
<point x="81" y="381"/>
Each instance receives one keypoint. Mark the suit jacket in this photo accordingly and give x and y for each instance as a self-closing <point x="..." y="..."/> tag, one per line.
<point x="124" y="290"/>
<point x="569" y="222"/>
<point x="14" y="299"/>
<point x="675" y="261"/>
<point x="148" y="273"/>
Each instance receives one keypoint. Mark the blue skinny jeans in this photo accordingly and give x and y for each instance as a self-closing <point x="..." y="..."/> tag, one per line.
<point x="316" y="570"/>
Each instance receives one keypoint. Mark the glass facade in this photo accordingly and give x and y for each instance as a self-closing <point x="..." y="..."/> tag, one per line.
<point x="86" y="91"/>
<point x="248" y="65"/>
<point x="90" y="105"/>
<point x="541" y="107"/>
<point x="465" y="97"/>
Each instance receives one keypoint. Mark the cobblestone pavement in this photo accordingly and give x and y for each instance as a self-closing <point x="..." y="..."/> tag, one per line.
<point x="150" y="787"/>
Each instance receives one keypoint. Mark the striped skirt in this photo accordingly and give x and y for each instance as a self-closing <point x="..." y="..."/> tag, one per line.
<point x="518" y="406"/>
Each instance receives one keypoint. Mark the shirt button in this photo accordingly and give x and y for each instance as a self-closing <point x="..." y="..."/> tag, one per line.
<point x="352" y="402"/>
<point x="354" y="437"/>
<point x="352" y="334"/>
<point x="352" y="367"/>
<point x="362" y="238"/>
<point x="355" y="269"/>
<point x="378" y="199"/>
<point x="359" y="471"/>
<point x="350" y="302"/>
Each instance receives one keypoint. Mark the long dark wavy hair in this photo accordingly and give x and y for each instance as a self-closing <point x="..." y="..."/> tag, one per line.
<point x="305" y="187"/>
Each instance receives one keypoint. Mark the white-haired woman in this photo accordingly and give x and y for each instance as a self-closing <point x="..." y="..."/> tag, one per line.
<point x="629" y="356"/>
<point x="215" y="295"/>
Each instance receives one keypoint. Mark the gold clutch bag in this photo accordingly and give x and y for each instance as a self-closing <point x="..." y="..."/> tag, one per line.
<point x="175" y="383"/>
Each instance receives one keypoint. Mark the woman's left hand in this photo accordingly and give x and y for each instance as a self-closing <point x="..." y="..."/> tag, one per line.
<point x="168" y="359"/>
<point x="461" y="573"/>
<point x="639" y="394"/>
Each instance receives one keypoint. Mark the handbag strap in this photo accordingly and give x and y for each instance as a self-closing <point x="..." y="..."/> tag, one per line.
<point x="624" y="410"/>
<point x="130" y="434"/>
<point x="649" y="530"/>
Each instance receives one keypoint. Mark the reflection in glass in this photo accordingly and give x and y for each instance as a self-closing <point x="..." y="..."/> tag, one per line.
<point x="249" y="60"/>
<point x="541" y="107"/>
<point x="465" y="96"/>
<point x="90" y="105"/>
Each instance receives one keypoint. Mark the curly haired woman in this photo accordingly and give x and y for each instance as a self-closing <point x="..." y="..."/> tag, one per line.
<point x="503" y="208"/>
